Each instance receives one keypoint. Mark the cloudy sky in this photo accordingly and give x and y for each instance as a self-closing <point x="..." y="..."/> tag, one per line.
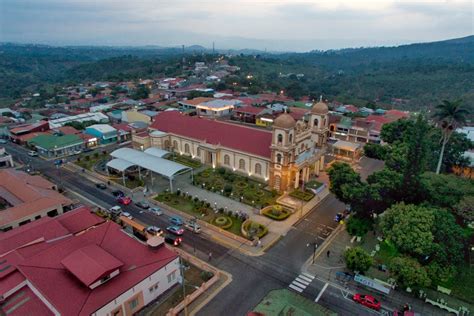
<point x="292" y="25"/>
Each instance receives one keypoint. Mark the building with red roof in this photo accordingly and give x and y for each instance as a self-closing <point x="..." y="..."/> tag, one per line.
<point x="27" y="198"/>
<point x="285" y="156"/>
<point x="80" y="264"/>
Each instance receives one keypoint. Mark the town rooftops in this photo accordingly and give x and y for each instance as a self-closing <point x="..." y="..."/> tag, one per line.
<point x="102" y="128"/>
<point x="245" y="139"/>
<point x="59" y="264"/>
<point x="50" y="142"/>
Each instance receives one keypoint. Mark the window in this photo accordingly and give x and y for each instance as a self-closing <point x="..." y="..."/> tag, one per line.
<point x="242" y="164"/>
<point x="175" y="144"/>
<point x="279" y="158"/>
<point x="172" y="276"/>
<point x="186" y="148"/>
<point x="316" y="123"/>
<point x="226" y="160"/>
<point x="258" y="169"/>
<point x="133" y="303"/>
<point x="291" y="138"/>
<point x="199" y="152"/>
<point x="280" y="138"/>
<point x="167" y="144"/>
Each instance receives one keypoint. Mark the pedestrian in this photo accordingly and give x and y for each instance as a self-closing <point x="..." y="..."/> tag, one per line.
<point x="210" y="256"/>
<point x="328" y="253"/>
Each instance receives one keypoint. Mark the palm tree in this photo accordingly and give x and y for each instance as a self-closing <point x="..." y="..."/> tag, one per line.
<point x="449" y="116"/>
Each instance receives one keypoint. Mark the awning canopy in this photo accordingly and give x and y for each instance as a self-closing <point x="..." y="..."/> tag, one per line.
<point x="119" y="164"/>
<point x="347" y="146"/>
<point x="157" y="152"/>
<point x="150" y="162"/>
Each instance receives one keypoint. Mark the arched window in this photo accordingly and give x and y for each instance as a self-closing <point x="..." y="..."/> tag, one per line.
<point x="167" y="144"/>
<point x="186" y="148"/>
<point x="242" y="164"/>
<point x="199" y="152"/>
<point x="279" y="158"/>
<point x="291" y="138"/>
<point x="316" y="123"/>
<point x="258" y="169"/>
<point x="280" y="138"/>
<point x="175" y="144"/>
<point x="226" y="160"/>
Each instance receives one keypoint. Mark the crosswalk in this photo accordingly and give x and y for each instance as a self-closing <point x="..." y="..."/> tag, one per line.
<point x="301" y="282"/>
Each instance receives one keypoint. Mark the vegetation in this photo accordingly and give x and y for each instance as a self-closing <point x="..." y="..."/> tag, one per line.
<point x="276" y="212"/>
<point x="302" y="195"/>
<point x="80" y="126"/>
<point x="357" y="259"/>
<point x="230" y="221"/>
<point x="254" y="229"/>
<point x="185" y="160"/>
<point x="235" y="186"/>
<point x="358" y="226"/>
<point x="409" y="273"/>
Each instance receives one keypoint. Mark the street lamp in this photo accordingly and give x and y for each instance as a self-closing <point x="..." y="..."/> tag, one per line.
<point x="315" y="247"/>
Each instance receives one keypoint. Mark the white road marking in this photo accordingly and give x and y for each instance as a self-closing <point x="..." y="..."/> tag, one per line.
<point x="296" y="288"/>
<point x="295" y="283"/>
<point x="321" y="292"/>
<point x="302" y="281"/>
<point x="305" y="278"/>
<point x="307" y="275"/>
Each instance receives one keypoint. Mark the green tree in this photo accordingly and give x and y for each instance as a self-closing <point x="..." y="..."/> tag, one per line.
<point x="465" y="208"/>
<point x="408" y="273"/>
<point x="446" y="191"/>
<point x="357" y="259"/>
<point x="375" y="151"/>
<point x="141" y="92"/>
<point x="416" y="157"/>
<point x="409" y="228"/>
<point x="345" y="182"/>
<point x="448" y="238"/>
<point x="395" y="131"/>
<point x="449" y="115"/>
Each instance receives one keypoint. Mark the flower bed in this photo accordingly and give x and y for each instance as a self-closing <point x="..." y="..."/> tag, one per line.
<point x="302" y="195"/>
<point x="185" y="160"/>
<point x="251" y="229"/>
<point x="203" y="211"/>
<point x="236" y="187"/>
<point x="276" y="212"/>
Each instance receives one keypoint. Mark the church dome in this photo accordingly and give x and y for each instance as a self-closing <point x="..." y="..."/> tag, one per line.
<point x="320" y="108"/>
<point x="284" y="120"/>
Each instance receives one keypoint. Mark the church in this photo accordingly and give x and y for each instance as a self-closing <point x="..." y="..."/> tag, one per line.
<point x="284" y="157"/>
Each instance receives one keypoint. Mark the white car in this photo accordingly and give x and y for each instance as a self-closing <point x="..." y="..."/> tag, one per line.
<point x="193" y="226"/>
<point x="156" y="210"/>
<point x="32" y="153"/>
<point x="127" y="215"/>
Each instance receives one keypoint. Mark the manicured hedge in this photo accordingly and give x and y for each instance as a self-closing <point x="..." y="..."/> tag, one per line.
<point x="302" y="195"/>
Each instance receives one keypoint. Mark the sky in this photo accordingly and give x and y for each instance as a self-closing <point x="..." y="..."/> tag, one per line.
<point x="275" y="25"/>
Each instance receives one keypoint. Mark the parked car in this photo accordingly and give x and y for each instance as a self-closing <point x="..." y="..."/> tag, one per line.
<point x="118" y="193"/>
<point x="193" y="226"/>
<point x="142" y="204"/>
<point x="115" y="210"/>
<point x="367" y="300"/>
<point x="176" y="220"/>
<point x="128" y="215"/>
<point x="87" y="150"/>
<point x="77" y="152"/>
<point x="153" y="230"/>
<point x="125" y="200"/>
<point x="3" y="141"/>
<point x="101" y="186"/>
<point x="173" y="240"/>
<point x="156" y="210"/>
<point x="175" y="230"/>
<point x="32" y="153"/>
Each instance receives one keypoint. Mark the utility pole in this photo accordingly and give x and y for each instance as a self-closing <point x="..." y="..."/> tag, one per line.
<point x="213" y="48"/>
<point x="183" y="286"/>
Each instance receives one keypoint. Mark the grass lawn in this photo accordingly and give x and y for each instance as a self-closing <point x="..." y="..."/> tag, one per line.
<point x="89" y="161"/>
<point x="302" y="195"/>
<point x="185" y="160"/>
<point x="195" y="208"/>
<point x="131" y="184"/>
<point x="236" y="187"/>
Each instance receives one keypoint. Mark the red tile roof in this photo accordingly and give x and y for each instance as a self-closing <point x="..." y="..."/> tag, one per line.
<point x="245" y="139"/>
<point x="249" y="110"/>
<point x="298" y="113"/>
<point x="41" y="263"/>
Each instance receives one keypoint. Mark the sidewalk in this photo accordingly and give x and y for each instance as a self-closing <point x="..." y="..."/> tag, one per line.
<point x="325" y="268"/>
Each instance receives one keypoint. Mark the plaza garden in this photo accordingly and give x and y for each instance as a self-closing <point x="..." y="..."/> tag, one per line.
<point x="237" y="187"/>
<point x="222" y="218"/>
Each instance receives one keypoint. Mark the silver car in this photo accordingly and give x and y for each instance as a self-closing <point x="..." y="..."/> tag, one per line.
<point x="156" y="210"/>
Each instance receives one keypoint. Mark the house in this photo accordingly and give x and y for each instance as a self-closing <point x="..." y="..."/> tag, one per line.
<point x="104" y="133"/>
<point x="134" y="115"/>
<point x="17" y="132"/>
<point x="97" y="117"/>
<point x="59" y="145"/>
<point x="80" y="264"/>
<point x="26" y="198"/>
<point x="249" y="114"/>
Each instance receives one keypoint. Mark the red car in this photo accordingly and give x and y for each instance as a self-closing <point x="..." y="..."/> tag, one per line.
<point x="367" y="300"/>
<point x="125" y="200"/>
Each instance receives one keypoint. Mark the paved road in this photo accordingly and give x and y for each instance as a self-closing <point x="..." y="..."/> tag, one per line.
<point x="253" y="277"/>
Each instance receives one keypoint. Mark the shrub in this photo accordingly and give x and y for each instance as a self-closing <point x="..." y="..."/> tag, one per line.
<point x="178" y="192"/>
<point x="221" y="210"/>
<point x="254" y="229"/>
<point x="104" y="152"/>
<point x="227" y="188"/>
<point x="78" y="159"/>
<point x="357" y="259"/>
<point x="221" y="170"/>
<point x="206" y="275"/>
<point x="196" y="200"/>
<point x="276" y="212"/>
<point x="208" y="204"/>
<point x="223" y="222"/>
<point x="302" y="195"/>
<point x="87" y="157"/>
<point x="358" y="226"/>
<point x="277" y="209"/>
<point x="96" y="155"/>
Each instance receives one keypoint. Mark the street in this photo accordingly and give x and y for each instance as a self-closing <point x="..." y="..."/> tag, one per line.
<point x="253" y="277"/>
